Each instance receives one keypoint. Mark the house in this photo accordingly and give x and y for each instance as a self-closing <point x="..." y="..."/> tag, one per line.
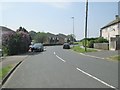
<point x="4" y="32"/>
<point x="55" y="39"/>
<point x="111" y="32"/>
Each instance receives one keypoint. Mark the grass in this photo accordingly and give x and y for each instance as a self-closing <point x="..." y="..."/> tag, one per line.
<point x="82" y="50"/>
<point x="4" y="71"/>
<point x="80" y="43"/>
<point x="116" y="57"/>
<point x="0" y="74"/>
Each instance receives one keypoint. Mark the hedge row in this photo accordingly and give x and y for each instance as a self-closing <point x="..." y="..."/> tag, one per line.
<point x="91" y="41"/>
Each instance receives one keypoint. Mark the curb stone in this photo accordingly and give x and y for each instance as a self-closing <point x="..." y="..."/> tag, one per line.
<point x="10" y="72"/>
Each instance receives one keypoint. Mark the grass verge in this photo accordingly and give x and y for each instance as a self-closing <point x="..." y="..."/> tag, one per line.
<point x="116" y="57"/>
<point x="82" y="50"/>
<point x="4" y="71"/>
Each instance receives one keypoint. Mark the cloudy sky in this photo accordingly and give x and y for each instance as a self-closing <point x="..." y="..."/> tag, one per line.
<point x="55" y="17"/>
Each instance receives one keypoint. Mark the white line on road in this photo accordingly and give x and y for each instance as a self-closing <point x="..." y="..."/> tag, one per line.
<point x="91" y="56"/>
<point x="88" y="73"/>
<point x="60" y="58"/>
<point x="96" y="78"/>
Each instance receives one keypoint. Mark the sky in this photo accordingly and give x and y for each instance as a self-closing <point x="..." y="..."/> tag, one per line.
<point x="55" y="17"/>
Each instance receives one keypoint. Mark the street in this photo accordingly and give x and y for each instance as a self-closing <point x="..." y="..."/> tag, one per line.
<point x="62" y="68"/>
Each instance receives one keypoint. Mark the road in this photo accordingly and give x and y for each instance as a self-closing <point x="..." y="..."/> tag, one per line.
<point x="59" y="68"/>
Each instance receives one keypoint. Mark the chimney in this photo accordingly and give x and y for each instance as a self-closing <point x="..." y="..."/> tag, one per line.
<point x="117" y="17"/>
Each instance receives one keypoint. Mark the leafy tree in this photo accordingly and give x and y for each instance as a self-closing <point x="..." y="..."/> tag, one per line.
<point x="40" y="37"/>
<point x="91" y="44"/>
<point x="32" y="34"/>
<point x="70" y="37"/>
<point x="15" y="43"/>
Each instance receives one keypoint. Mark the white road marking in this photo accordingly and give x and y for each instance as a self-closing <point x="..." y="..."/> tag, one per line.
<point x="91" y="56"/>
<point x="96" y="78"/>
<point x="60" y="58"/>
<point x="88" y="73"/>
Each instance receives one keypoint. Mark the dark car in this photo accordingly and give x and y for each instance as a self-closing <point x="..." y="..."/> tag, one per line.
<point x="66" y="46"/>
<point x="37" y="47"/>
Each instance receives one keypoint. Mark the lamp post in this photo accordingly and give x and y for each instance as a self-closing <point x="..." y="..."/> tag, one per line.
<point x="73" y="30"/>
<point x="86" y="25"/>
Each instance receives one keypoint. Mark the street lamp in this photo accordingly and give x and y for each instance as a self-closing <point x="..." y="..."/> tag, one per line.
<point x="86" y="25"/>
<point x="73" y="30"/>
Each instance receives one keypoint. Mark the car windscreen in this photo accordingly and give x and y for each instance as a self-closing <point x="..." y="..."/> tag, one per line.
<point x="37" y="45"/>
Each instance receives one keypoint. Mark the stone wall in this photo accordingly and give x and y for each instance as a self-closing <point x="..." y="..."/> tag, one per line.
<point x="104" y="46"/>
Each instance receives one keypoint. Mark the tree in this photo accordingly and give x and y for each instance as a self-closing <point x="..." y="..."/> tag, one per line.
<point x="32" y="34"/>
<point x="24" y="41"/>
<point x="17" y="42"/>
<point x="70" y="37"/>
<point x="22" y="29"/>
<point x="40" y="37"/>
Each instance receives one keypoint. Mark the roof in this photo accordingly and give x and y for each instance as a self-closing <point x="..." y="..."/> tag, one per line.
<point x="116" y="21"/>
<point x="50" y="35"/>
<point x="6" y="30"/>
<point x="62" y="35"/>
<point x="58" y="35"/>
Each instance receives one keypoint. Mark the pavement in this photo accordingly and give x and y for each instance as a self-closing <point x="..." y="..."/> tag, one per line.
<point x="103" y="53"/>
<point x="61" y="68"/>
<point x="12" y="60"/>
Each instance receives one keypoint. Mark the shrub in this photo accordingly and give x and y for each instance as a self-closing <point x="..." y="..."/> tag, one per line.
<point x="101" y="40"/>
<point x="91" y="41"/>
<point x="91" y="44"/>
<point x="15" y="43"/>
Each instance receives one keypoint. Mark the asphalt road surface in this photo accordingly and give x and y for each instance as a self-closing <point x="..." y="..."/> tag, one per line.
<point x="59" y="68"/>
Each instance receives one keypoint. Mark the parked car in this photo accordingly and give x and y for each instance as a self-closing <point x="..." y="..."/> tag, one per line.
<point x="66" y="46"/>
<point x="37" y="47"/>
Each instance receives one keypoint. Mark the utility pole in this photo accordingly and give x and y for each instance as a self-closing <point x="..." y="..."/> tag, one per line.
<point x="73" y="30"/>
<point x="86" y="25"/>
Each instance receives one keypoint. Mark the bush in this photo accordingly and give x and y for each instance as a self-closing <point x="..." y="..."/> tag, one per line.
<point x="101" y="40"/>
<point x="91" y="41"/>
<point x="15" y="43"/>
<point x="83" y="43"/>
<point x="5" y="50"/>
<point x="91" y="44"/>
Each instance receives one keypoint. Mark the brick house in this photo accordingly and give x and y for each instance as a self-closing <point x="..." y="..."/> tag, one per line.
<point x="55" y="39"/>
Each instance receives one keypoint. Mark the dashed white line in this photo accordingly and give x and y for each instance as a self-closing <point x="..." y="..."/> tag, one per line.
<point x="60" y="58"/>
<point x="96" y="78"/>
<point x="88" y="73"/>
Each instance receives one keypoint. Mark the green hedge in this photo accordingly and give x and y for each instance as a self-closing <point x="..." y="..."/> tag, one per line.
<point x="91" y="41"/>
